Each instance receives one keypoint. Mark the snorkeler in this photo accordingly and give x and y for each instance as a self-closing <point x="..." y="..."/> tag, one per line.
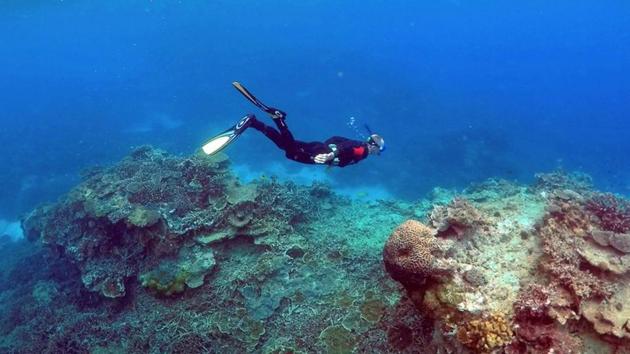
<point x="335" y="151"/>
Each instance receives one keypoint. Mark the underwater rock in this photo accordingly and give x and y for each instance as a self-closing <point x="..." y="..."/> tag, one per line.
<point x="284" y="268"/>
<point x="458" y="218"/>
<point x="514" y="293"/>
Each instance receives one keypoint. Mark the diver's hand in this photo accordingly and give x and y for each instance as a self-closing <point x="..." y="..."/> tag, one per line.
<point x="323" y="158"/>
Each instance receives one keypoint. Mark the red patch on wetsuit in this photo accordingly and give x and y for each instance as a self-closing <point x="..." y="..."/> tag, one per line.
<point x="358" y="151"/>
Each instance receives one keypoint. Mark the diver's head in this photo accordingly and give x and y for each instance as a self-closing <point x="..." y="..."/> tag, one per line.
<point x="376" y="144"/>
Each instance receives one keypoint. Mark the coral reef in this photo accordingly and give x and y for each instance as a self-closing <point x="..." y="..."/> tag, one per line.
<point x="167" y="254"/>
<point x="121" y="221"/>
<point x="530" y="267"/>
<point x="171" y="254"/>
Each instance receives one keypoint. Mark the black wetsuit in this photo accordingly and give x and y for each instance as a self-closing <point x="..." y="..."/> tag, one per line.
<point x="347" y="151"/>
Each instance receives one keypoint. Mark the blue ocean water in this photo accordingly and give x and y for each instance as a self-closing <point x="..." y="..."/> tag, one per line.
<point x="460" y="90"/>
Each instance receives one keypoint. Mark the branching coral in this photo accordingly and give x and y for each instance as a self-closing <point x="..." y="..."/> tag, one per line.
<point x="613" y="212"/>
<point x="561" y="232"/>
<point x="561" y="180"/>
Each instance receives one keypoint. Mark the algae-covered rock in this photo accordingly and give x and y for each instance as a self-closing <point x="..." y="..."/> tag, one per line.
<point x="166" y="280"/>
<point x="45" y="292"/>
<point x="143" y="217"/>
<point x="172" y="277"/>
<point x="338" y="340"/>
<point x="198" y="267"/>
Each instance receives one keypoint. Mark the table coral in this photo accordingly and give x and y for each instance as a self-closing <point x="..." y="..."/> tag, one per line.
<point x="610" y="317"/>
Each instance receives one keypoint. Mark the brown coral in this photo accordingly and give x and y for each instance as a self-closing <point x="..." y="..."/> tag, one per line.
<point x="486" y="333"/>
<point x="412" y="254"/>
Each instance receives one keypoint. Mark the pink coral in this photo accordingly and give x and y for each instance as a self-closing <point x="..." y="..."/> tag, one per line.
<point x="613" y="212"/>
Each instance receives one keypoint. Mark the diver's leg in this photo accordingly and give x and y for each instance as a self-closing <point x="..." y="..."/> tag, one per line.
<point x="270" y="133"/>
<point x="285" y="133"/>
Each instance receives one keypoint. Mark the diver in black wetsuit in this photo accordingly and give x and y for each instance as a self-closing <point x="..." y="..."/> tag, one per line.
<point x="335" y="151"/>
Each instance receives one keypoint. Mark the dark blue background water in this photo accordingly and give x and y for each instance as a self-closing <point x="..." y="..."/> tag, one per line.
<point x="460" y="90"/>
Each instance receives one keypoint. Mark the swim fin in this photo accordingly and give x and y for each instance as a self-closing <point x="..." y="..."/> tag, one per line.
<point x="273" y="112"/>
<point x="221" y="141"/>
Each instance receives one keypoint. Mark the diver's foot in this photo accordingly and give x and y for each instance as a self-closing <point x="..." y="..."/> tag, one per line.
<point x="275" y="113"/>
<point x="245" y="122"/>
